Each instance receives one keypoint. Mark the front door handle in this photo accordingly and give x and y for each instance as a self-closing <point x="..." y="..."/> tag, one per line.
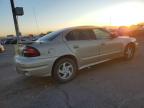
<point x="75" y="46"/>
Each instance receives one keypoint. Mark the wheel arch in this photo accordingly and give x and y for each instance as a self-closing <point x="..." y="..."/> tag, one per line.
<point x="130" y="43"/>
<point x="65" y="56"/>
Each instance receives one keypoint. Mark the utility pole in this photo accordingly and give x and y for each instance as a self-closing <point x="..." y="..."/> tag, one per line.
<point x="15" y="19"/>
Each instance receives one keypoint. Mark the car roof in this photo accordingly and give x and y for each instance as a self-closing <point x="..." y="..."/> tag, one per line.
<point x="79" y="27"/>
<point x="69" y="29"/>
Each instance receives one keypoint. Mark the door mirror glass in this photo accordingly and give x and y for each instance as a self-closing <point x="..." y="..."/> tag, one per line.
<point x="114" y="35"/>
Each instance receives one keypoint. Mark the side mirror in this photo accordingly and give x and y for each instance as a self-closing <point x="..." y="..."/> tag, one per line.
<point x="114" y="35"/>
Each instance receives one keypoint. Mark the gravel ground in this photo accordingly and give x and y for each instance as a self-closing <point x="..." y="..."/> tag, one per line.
<point x="114" y="84"/>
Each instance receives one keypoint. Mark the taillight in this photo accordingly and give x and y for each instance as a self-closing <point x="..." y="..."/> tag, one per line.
<point x="30" y="52"/>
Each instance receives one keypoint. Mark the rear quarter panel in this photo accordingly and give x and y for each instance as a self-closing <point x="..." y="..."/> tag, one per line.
<point x="53" y="49"/>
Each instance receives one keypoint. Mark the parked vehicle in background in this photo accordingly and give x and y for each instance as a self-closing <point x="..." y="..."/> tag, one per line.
<point x="61" y="53"/>
<point x="13" y="41"/>
<point x="10" y="41"/>
<point x="2" y="49"/>
<point x="2" y="41"/>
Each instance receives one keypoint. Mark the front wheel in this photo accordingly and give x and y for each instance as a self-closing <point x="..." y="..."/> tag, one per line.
<point x="64" y="70"/>
<point x="129" y="52"/>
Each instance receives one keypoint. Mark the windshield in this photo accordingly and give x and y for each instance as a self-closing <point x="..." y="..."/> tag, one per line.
<point x="49" y="37"/>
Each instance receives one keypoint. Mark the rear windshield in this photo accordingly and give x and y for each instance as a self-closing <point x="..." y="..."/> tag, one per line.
<point x="49" y="37"/>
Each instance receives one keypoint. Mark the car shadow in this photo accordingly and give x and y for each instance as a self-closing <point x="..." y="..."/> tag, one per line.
<point x="103" y="65"/>
<point x="23" y="84"/>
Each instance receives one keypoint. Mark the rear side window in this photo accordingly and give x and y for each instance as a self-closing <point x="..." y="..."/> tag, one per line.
<point x="49" y="37"/>
<point x="80" y="35"/>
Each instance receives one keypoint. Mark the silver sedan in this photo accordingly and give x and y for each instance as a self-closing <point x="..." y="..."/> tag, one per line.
<point x="62" y="53"/>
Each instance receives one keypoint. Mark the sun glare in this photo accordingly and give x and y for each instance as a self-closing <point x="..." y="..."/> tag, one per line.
<point x="126" y="14"/>
<point x="123" y="14"/>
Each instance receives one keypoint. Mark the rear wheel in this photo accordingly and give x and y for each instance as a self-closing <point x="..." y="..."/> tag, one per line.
<point x="129" y="52"/>
<point x="64" y="70"/>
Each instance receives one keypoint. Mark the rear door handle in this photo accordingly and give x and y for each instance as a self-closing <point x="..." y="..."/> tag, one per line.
<point x="75" y="46"/>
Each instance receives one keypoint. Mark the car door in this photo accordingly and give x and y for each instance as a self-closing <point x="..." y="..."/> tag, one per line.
<point x="84" y="45"/>
<point x="109" y="47"/>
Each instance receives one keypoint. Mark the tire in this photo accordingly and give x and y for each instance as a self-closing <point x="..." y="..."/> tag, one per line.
<point x="129" y="52"/>
<point x="64" y="70"/>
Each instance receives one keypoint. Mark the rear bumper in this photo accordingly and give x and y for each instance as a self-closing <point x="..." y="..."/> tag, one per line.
<point x="34" y="66"/>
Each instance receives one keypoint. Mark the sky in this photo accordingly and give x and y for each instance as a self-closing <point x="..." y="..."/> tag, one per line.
<point x="45" y="15"/>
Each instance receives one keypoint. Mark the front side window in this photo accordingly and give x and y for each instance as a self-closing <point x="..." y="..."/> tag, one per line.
<point x="102" y="34"/>
<point x="81" y="35"/>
